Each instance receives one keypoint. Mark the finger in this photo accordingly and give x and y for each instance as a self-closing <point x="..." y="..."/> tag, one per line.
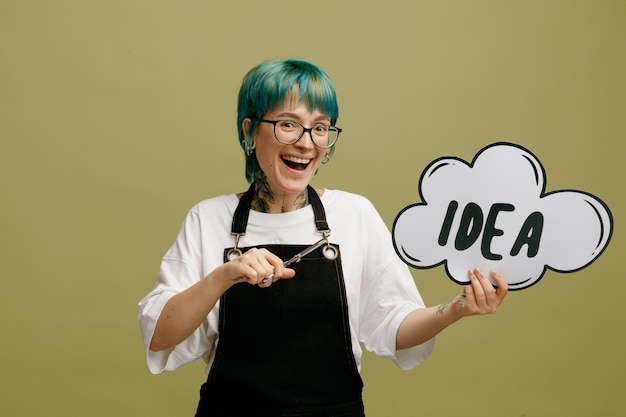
<point x="492" y="300"/>
<point x="268" y="278"/>
<point x="261" y="270"/>
<point x="265" y="274"/>
<point x="502" y="287"/>
<point x="275" y="268"/>
<point x="254" y="265"/>
<point x="477" y="286"/>
<point x="279" y="271"/>
<point x="483" y="279"/>
<point x="265" y="264"/>
<point x="267" y="281"/>
<point x="469" y="300"/>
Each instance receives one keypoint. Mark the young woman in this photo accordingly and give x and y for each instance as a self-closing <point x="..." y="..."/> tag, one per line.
<point x="280" y="288"/>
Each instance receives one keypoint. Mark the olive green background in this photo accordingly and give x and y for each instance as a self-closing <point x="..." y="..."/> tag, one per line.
<point x="117" y="116"/>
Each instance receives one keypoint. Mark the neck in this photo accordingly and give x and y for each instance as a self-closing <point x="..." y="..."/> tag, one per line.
<point x="266" y="201"/>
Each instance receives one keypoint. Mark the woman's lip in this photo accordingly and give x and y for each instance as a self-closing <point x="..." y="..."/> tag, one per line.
<point x="296" y="165"/>
<point x="297" y="159"/>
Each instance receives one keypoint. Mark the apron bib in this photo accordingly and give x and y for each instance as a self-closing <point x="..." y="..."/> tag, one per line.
<point x="285" y="350"/>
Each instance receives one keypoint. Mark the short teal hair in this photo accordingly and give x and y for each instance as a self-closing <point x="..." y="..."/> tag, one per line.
<point x="268" y="85"/>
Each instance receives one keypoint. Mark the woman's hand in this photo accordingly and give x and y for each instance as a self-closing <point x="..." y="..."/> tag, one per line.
<point x="254" y="266"/>
<point x="480" y="296"/>
<point x="185" y="311"/>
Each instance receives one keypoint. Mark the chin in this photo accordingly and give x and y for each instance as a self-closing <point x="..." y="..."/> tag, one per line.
<point x="295" y="186"/>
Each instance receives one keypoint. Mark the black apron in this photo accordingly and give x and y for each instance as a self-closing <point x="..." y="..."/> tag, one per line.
<point x="285" y="350"/>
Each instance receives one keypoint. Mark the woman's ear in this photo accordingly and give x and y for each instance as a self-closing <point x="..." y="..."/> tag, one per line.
<point x="245" y="125"/>
<point x="249" y="143"/>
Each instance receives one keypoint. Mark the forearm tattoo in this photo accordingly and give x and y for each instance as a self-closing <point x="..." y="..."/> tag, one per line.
<point x="441" y="308"/>
<point x="460" y="303"/>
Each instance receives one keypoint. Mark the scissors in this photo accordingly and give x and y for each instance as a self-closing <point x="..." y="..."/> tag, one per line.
<point x="329" y="252"/>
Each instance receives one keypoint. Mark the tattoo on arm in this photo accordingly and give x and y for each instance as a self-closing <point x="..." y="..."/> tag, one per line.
<point x="459" y="303"/>
<point x="441" y="308"/>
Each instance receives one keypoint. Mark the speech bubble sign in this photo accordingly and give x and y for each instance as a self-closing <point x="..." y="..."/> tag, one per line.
<point x="494" y="213"/>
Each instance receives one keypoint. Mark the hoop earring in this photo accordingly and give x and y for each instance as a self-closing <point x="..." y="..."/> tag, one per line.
<point x="250" y="149"/>
<point x="326" y="159"/>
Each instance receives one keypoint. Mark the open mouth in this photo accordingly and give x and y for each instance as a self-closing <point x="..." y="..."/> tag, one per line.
<point x="298" y="164"/>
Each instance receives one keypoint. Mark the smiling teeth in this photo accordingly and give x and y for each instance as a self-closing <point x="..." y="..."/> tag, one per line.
<point x="296" y="160"/>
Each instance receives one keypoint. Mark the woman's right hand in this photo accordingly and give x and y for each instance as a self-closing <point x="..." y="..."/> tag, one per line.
<point x="185" y="311"/>
<point x="254" y="266"/>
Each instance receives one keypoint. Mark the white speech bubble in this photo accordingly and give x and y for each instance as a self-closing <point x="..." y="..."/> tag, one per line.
<point x="495" y="213"/>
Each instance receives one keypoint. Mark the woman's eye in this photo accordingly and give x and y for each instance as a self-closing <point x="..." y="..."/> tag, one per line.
<point x="321" y="128"/>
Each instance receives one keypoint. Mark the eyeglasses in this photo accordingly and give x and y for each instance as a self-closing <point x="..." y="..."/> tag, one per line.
<point x="289" y="132"/>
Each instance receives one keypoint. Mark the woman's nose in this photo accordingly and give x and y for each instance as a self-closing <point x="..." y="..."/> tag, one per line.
<point x="306" y="140"/>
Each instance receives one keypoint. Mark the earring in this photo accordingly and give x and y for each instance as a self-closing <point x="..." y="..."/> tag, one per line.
<point x="250" y="149"/>
<point x="326" y="159"/>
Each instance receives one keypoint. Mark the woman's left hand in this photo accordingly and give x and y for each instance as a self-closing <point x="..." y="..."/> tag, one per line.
<point x="480" y="296"/>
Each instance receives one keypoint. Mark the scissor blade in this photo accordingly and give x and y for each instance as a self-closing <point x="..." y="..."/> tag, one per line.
<point x="304" y="252"/>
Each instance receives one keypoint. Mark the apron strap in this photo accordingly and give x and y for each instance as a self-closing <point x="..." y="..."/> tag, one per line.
<point x="318" y="211"/>
<point x="240" y="218"/>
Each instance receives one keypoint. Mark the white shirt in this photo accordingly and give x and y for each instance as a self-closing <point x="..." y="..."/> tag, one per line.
<point x="379" y="287"/>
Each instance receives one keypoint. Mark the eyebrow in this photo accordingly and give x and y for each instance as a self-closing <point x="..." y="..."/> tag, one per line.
<point x="297" y="117"/>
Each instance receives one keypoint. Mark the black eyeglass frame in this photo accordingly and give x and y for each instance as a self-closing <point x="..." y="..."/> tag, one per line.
<point x="304" y="130"/>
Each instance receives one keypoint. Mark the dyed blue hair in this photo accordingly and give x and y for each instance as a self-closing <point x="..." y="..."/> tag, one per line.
<point x="268" y="85"/>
